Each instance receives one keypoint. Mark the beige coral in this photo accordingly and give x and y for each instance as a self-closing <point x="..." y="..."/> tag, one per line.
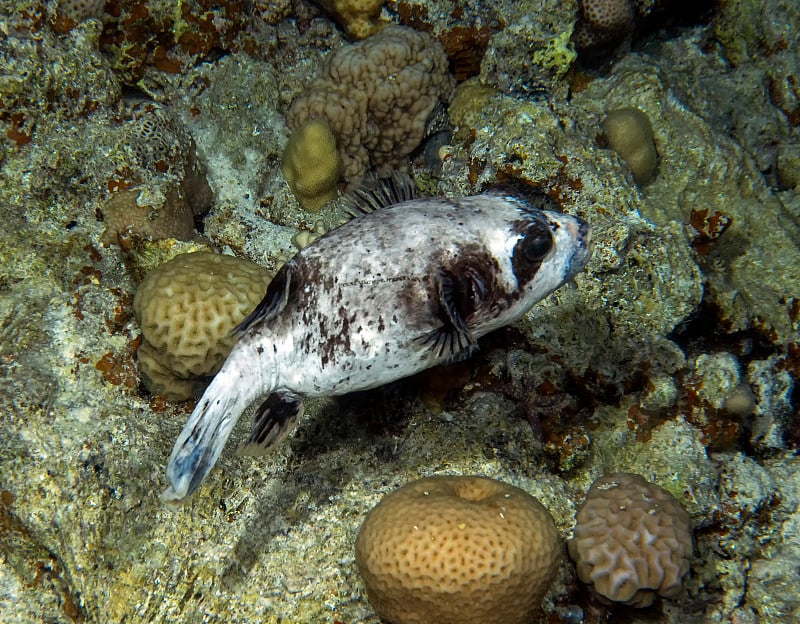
<point x="311" y="164"/>
<point x="378" y="97"/>
<point x="359" y="18"/>
<point x="630" y="134"/>
<point x="457" y="550"/>
<point x="187" y="309"/>
<point x="632" y="540"/>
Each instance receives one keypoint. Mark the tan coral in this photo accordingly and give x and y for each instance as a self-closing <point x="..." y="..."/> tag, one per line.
<point x="457" y="550"/>
<point x="359" y="18"/>
<point x="378" y="96"/>
<point x="630" y="134"/>
<point x="311" y="164"/>
<point x="187" y="309"/>
<point x="632" y="540"/>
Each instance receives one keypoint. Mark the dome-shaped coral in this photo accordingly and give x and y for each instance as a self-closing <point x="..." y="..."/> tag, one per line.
<point x="187" y="309"/>
<point x="632" y="540"/>
<point x="457" y="550"/>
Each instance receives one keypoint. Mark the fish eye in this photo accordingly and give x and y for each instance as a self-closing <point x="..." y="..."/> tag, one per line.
<point x="537" y="243"/>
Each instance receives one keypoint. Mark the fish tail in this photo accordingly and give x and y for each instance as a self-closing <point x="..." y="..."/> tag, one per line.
<point x="204" y="436"/>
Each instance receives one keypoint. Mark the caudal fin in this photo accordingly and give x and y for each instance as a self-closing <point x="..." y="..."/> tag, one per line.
<point x="204" y="436"/>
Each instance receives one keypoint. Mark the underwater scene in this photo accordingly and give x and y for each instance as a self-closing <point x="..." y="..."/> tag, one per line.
<point x="399" y="311"/>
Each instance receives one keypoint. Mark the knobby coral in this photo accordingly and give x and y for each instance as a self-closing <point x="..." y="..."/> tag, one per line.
<point x="379" y="97"/>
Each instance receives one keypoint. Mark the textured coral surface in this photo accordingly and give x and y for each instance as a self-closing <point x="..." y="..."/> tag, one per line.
<point x="632" y="540"/>
<point x="458" y="549"/>
<point x="378" y="97"/>
<point x="187" y="309"/>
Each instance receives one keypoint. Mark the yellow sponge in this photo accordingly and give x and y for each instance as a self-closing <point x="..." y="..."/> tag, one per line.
<point x="311" y="164"/>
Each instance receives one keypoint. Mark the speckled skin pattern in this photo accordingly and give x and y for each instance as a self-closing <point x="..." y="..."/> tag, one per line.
<point x="367" y="304"/>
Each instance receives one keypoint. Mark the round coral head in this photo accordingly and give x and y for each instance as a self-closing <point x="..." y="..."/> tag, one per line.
<point x="458" y="550"/>
<point x="632" y="540"/>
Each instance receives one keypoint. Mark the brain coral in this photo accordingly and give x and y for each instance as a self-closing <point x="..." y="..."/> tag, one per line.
<point x="378" y="97"/>
<point x="186" y="309"/>
<point x="632" y="540"/>
<point x="457" y="550"/>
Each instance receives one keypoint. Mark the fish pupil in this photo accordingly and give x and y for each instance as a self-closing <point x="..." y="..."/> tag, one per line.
<point x="537" y="243"/>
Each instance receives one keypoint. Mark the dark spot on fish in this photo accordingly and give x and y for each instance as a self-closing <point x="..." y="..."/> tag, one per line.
<point x="519" y="226"/>
<point x="474" y="281"/>
<point x="260" y="350"/>
<point x="530" y="251"/>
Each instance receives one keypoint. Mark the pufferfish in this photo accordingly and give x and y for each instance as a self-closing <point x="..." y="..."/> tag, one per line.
<point x="406" y="284"/>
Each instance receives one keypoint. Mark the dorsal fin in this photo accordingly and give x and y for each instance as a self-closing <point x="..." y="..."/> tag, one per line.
<point x="376" y="192"/>
<point x="273" y="302"/>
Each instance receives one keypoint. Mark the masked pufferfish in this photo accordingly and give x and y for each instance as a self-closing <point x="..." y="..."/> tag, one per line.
<point x="406" y="284"/>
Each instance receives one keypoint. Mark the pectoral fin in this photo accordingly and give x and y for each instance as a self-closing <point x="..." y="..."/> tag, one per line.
<point x="453" y="339"/>
<point x="274" y="419"/>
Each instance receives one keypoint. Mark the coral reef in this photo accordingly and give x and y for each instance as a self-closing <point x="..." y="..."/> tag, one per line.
<point x="453" y="550"/>
<point x="141" y="38"/>
<point x="378" y="97"/>
<point x="187" y="309"/>
<point x="538" y="68"/>
<point x="632" y="540"/>
<point x="675" y="357"/>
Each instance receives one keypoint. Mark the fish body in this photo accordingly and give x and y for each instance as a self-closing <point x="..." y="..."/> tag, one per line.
<point x="388" y="294"/>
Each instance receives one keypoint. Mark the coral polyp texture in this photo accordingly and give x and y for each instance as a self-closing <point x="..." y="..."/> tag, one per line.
<point x="604" y="22"/>
<point x="79" y="10"/>
<point x="187" y="309"/>
<point x="632" y="540"/>
<point x="379" y="97"/>
<point x="457" y="550"/>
